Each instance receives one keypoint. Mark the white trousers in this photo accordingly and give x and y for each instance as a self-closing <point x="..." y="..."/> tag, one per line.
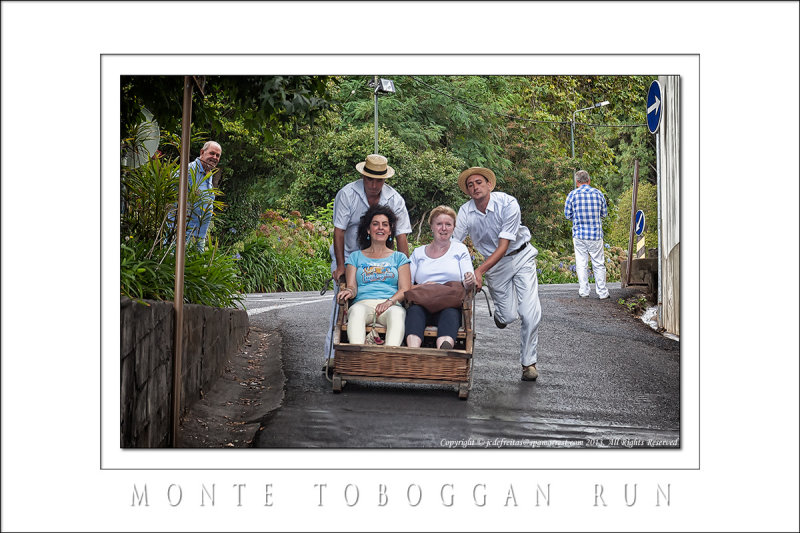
<point x="514" y="287"/>
<point x="584" y="249"/>
<point x="334" y="316"/>
<point x="363" y="312"/>
<point x="328" y="350"/>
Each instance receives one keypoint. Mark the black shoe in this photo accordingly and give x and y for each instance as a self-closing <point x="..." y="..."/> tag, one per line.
<point x="499" y="324"/>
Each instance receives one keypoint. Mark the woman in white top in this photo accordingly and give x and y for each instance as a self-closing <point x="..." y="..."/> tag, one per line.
<point x="440" y="261"/>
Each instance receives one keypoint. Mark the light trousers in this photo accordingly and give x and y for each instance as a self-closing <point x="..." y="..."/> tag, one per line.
<point x="514" y="287"/>
<point x="334" y="316"/>
<point x="584" y="249"/>
<point x="362" y="313"/>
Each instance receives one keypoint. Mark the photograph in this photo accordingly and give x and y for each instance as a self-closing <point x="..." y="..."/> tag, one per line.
<point x="399" y="266"/>
<point x="363" y="249"/>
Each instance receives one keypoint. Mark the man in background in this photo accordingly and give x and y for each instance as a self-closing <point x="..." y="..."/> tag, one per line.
<point x="201" y="172"/>
<point x="586" y="207"/>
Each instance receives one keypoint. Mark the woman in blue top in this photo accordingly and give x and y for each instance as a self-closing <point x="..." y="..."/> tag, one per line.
<point x="376" y="277"/>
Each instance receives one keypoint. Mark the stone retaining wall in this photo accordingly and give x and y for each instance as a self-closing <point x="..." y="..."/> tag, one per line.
<point x="210" y="336"/>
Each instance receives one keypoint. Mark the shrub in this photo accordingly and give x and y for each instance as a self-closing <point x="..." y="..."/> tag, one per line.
<point x="425" y="179"/>
<point x="210" y="278"/>
<point x="295" y="235"/>
<point x="554" y="268"/>
<point x="149" y="195"/>
<point x="265" y="268"/>
<point x="621" y="223"/>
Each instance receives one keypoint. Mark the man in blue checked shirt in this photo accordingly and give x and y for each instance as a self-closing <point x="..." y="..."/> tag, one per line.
<point x="586" y="207"/>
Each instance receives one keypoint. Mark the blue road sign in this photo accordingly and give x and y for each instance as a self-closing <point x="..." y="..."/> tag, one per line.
<point x="655" y="107"/>
<point x="639" y="227"/>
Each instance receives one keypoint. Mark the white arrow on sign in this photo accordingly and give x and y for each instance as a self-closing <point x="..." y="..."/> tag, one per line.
<point x="654" y="107"/>
<point x="639" y="226"/>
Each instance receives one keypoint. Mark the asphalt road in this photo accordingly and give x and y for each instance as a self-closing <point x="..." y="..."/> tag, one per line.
<point x="606" y="380"/>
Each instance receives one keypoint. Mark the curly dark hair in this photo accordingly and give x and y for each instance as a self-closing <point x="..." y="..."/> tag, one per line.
<point x="366" y="220"/>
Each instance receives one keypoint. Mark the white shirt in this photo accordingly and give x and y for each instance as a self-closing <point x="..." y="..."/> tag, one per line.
<point x="502" y="220"/>
<point x="450" y="267"/>
<point x="350" y="205"/>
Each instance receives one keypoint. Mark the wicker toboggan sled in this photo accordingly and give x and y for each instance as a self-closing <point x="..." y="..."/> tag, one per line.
<point x="401" y="364"/>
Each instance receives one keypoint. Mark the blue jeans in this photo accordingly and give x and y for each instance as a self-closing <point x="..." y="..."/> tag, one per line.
<point x="447" y="321"/>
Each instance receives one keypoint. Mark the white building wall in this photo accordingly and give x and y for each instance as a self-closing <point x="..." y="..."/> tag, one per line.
<point x="670" y="199"/>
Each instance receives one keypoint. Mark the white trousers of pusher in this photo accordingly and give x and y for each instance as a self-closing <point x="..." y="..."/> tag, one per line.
<point x="514" y="287"/>
<point x="328" y="350"/>
<point x="584" y="249"/>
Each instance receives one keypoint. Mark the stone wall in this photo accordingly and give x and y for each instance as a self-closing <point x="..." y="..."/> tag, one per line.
<point x="210" y="336"/>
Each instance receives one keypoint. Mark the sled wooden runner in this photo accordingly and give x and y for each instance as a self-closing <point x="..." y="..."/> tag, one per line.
<point x="401" y="364"/>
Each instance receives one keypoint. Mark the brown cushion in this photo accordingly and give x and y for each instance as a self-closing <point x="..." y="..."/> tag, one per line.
<point x="436" y="296"/>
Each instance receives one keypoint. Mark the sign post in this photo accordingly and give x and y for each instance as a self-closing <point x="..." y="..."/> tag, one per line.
<point x="655" y="110"/>
<point x="634" y="192"/>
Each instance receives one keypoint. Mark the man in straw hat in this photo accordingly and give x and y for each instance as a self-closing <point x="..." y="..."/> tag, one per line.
<point x="351" y="202"/>
<point x="493" y="221"/>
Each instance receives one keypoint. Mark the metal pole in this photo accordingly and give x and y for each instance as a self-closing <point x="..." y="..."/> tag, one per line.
<point x="634" y="195"/>
<point x="376" y="114"/>
<point x="659" y="304"/>
<point x="180" y="257"/>
<point x="572" y="143"/>
<point x="572" y="134"/>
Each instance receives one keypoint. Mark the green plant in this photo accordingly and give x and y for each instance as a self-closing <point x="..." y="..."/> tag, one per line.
<point x="621" y="224"/>
<point x="265" y="268"/>
<point x="635" y="304"/>
<point x="295" y="235"/>
<point x="210" y="277"/>
<point x="424" y="179"/>
<point x="149" y="196"/>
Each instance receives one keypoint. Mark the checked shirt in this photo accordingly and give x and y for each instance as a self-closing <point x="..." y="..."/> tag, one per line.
<point x="586" y="206"/>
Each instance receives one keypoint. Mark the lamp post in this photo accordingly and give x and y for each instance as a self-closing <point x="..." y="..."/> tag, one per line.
<point x="572" y="124"/>
<point x="382" y="86"/>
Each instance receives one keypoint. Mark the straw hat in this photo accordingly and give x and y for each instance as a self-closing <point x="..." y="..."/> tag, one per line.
<point x="375" y="167"/>
<point x="485" y="172"/>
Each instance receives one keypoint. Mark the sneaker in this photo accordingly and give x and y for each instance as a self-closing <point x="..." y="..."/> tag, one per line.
<point x="605" y="297"/>
<point x="446" y="346"/>
<point x="498" y="324"/>
<point x="529" y="373"/>
<point x="583" y="295"/>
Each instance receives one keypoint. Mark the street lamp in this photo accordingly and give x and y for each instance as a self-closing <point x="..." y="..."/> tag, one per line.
<point x="572" y="124"/>
<point x="382" y="86"/>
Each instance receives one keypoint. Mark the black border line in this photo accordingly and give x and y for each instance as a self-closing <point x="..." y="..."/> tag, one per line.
<point x="414" y="450"/>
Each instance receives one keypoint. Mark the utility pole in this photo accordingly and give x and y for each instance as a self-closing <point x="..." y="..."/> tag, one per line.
<point x="375" y="81"/>
<point x="180" y="255"/>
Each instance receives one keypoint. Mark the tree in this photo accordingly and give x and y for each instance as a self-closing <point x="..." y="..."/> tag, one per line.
<point x="425" y="179"/>
<point x="459" y="114"/>
<point x="262" y="101"/>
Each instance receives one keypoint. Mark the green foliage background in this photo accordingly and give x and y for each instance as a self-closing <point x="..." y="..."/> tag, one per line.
<point x="621" y="222"/>
<point x="291" y="142"/>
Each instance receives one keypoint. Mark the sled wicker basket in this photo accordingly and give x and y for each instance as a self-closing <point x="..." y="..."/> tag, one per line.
<point x="425" y="364"/>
